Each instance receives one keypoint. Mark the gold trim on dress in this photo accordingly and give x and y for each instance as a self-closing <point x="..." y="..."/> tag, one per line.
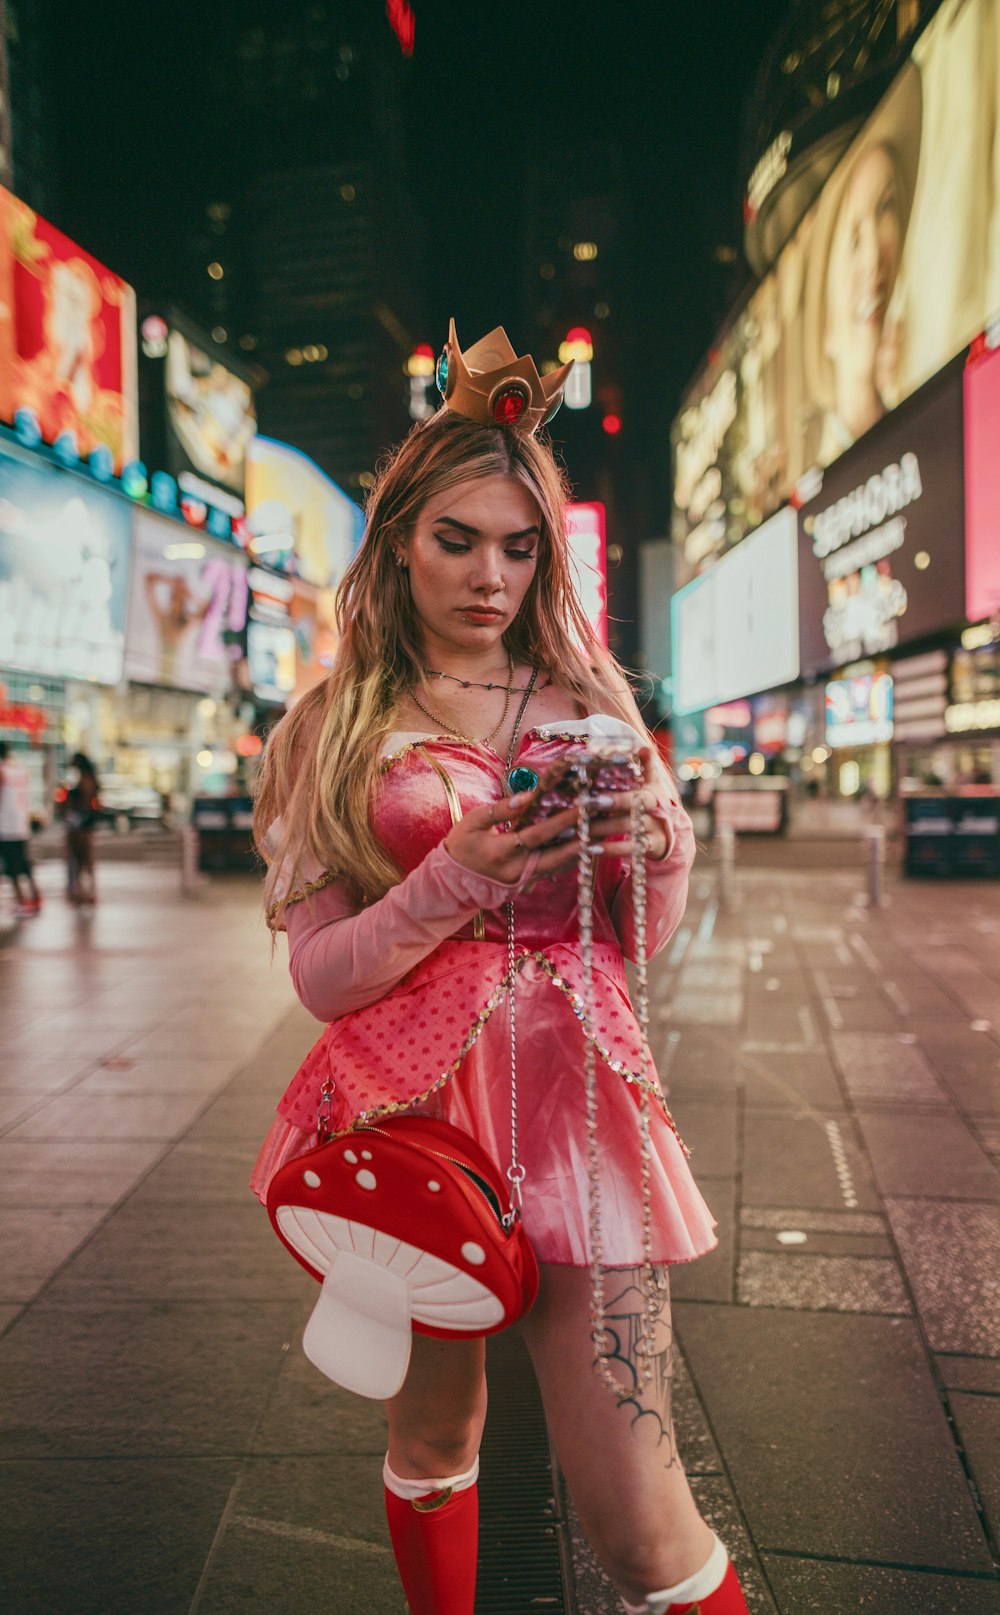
<point x="301" y="893"/>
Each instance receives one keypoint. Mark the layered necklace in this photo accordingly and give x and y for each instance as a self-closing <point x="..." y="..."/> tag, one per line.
<point x="450" y="729"/>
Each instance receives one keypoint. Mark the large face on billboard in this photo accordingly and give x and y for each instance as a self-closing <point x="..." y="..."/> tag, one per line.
<point x="188" y="608"/>
<point x="67" y="337"/>
<point x="881" y="556"/>
<point x="891" y="273"/>
<point x="64" y="553"/>
<point x="211" y="417"/>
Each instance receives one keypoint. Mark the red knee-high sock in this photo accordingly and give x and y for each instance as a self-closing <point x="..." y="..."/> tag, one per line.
<point x="726" y="1600"/>
<point x="435" y="1538"/>
<point x="712" y="1590"/>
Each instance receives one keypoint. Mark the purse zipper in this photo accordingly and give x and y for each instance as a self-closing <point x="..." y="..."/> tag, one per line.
<point x="489" y="1194"/>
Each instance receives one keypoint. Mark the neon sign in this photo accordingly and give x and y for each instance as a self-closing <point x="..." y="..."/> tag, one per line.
<point x="403" y="23"/>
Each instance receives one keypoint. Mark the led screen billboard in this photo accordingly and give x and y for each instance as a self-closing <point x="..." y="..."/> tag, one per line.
<point x="859" y="710"/>
<point x="298" y="519"/>
<point x="188" y="608"/>
<point x="892" y="272"/>
<point x="982" y="484"/>
<point x="586" y="533"/>
<point x="735" y="629"/>
<point x="64" y="557"/>
<point x="211" y="416"/>
<point x="881" y="556"/>
<point x="67" y="337"/>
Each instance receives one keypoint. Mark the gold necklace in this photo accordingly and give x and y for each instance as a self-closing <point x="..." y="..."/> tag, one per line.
<point x="435" y="717"/>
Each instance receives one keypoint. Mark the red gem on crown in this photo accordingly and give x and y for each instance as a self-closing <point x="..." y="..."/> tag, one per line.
<point x="509" y="404"/>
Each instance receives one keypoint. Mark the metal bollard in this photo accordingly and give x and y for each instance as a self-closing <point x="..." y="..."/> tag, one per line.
<point x="725" y="837"/>
<point x="191" y="877"/>
<point x="875" y="859"/>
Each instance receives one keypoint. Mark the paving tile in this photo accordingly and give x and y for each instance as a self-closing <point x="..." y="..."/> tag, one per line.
<point x="695" y="1442"/>
<point x="236" y="1117"/>
<point x="927" y="1155"/>
<point x="108" y="1538"/>
<point x="182" y="1075"/>
<point x="803" y="1160"/>
<point x="705" y="1061"/>
<point x="112" y="1116"/>
<point x="812" y="1587"/>
<point x="15" y="1104"/>
<point x="693" y="1007"/>
<point x="833" y="1434"/>
<point x="36" y="1241"/>
<point x="969" y="1373"/>
<point x="41" y="1075"/>
<point x="949" y="1253"/>
<point x="776" y="1078"/>
<point x="763" y="1239"/>
<point x="718" y="1506"/>
<point x="199" y="1173"/>
<point x="183" y="1253"/>
<point x="880" y="1067"/>
<point x="305" y="1533"/>
<point x="7" y="1316"/>
<point x="815" y="1222"/>
<point x="974" y="1084"/>
<point x="711" y="975"/>
<point x="710" y="1278"/>
<point x="140" y="1381"/>
<point x="308" y="1415"/>
<point x="774" y="1020"/>
<point x="708" y="1128"/>
<point x="820" y="1283"/>
<point x="978" y="1420"/>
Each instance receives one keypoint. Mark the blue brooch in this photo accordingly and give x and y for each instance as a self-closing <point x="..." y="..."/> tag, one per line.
<point x="521" y="779"/>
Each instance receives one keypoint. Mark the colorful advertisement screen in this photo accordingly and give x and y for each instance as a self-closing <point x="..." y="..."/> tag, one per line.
<point x="586" y="532"/>
<point x="188" y="608"/>
<point x="882" y="551"/>
<point x="735" y="629"/>
<point x="892" y="272"/>
<point x="982" y="485"/>
<point x="211" y="416"/>
<point x="298" y="519"/>
<point x="67" y="337"/>
<point x="859" y="710"/>
<point x="64" y="556"/>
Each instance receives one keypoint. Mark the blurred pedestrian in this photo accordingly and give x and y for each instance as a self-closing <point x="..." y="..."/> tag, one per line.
<point x="404" y="864"/>
<point x="15" y="833"/>
<point x="81" y="814"/>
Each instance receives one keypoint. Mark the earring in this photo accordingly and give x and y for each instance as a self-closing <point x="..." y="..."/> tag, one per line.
<point x="399" y="561"/>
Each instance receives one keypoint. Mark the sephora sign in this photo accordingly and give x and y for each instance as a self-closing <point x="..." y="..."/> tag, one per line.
<point x="881" y="546"/>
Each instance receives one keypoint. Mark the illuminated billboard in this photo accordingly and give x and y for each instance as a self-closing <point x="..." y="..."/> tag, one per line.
<point x="67" y="338"/>
<point x="982" y="485"/>
<point x="735" y="629"/>
<point x="188" y="608"/>
<point x="298" y="520"/>
<point x="586" y="533"/>
<point x="882" y="547"/>
<point x="892" y="272"/>
<point x="211" y="417"/>
<point x="64" y="558"/>
<point x="859" y="710"/>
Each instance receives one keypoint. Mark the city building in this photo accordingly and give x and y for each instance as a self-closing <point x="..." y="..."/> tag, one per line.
<point x="28" y="158"/>
<point x="837" y="620"/>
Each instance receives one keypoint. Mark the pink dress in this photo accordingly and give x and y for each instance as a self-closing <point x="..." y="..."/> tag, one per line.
<point x="412" y="988"/>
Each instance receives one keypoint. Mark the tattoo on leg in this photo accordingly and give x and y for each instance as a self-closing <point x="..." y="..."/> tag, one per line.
<point x="625" y="1311"/>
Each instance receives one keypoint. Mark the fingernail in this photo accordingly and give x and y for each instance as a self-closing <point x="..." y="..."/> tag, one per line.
<point x="515" y="801"/>
<point x="602" y="802"/>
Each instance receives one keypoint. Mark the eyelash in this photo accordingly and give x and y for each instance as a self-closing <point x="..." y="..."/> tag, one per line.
<point x="463" y="549"/>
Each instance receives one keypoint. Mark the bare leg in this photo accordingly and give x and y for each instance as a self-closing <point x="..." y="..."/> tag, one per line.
<point x="436" y="1420"/>
<point x="619" y="1458"/>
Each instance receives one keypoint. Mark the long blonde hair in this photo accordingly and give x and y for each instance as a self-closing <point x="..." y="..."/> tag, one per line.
<point x="322" y="759"/>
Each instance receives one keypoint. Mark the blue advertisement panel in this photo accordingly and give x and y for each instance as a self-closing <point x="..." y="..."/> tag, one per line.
<point x="64" y="562"/>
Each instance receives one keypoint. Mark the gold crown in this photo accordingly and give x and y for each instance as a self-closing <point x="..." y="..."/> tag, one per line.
<point x="489" y="383"/>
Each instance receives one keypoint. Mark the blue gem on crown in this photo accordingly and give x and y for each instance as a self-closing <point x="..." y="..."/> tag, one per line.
<point x="441" y="373"/>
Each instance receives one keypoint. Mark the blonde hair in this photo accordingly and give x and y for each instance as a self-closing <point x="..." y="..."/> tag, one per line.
<point x="322" y="759"/>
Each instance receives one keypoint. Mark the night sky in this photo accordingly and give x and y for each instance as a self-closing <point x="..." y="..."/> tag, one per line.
<point x="490" y="83"/>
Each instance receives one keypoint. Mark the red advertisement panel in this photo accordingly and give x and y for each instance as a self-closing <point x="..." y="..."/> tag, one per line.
<point x="982" y="485"/>
<point x="67" y="336"/>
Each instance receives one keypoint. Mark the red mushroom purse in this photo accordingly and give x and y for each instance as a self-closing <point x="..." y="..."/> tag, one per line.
<point x="403" y="1223"/>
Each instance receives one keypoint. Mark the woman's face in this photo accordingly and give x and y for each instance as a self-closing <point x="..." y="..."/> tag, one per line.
<point x="471" y="556"/>
<point x="864" y="263"/>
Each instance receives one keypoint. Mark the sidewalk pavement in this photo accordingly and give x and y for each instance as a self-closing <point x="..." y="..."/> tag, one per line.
<point x="165" y="1449"/>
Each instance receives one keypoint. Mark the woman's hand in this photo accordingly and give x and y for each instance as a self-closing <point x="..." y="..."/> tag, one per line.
<point x="611" y="815"/>
<point x="481" y="840"/>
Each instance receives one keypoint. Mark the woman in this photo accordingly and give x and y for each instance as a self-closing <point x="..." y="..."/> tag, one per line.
<point x="384" y="810"/>
<point x="81" y="810"/>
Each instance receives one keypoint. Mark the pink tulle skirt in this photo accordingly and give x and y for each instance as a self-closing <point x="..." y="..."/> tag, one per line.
<point x="552" y="1135"/>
